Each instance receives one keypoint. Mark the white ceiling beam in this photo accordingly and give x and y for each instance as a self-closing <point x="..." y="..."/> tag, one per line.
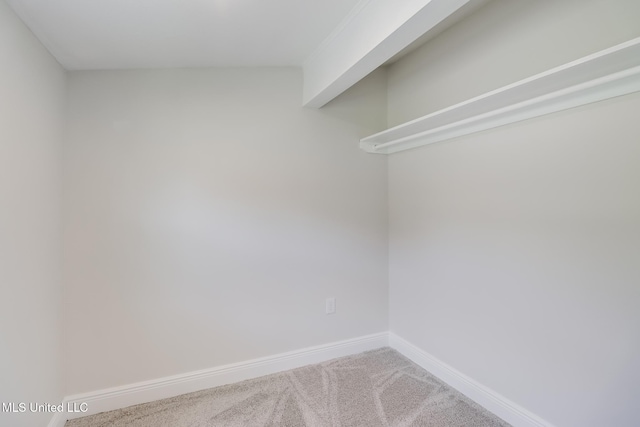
<point x="374" y="32"/>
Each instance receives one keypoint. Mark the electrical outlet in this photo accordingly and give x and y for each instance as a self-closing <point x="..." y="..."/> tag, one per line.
<point x="330" y="307"/>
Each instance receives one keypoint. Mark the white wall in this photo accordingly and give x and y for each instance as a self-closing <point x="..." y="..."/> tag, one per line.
<point x="514" y="253"/>
<point x="208" y="216"/>
<point x="32" y="86"/>
<point x="504" y="42"/>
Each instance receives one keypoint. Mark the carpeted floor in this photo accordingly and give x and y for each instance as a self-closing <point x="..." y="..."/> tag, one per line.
<point x="372" y="389"/>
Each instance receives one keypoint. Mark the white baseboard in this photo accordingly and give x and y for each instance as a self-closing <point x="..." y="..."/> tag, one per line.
<point x="484" y="396"/>
<point x="162" y="388"/>
<point x="58" y="420"/>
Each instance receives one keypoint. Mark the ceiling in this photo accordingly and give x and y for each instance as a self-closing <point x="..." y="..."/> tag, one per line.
<point x="124" y="34"/>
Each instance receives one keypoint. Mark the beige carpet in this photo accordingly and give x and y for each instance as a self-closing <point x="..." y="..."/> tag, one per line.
<point x="371" y="389"/>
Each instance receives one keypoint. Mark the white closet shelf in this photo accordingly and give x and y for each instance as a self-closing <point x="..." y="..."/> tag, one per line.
<point x="606" y="74"/>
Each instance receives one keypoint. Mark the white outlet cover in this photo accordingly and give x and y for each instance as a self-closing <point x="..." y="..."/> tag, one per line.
<point x="330" y="307"/>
